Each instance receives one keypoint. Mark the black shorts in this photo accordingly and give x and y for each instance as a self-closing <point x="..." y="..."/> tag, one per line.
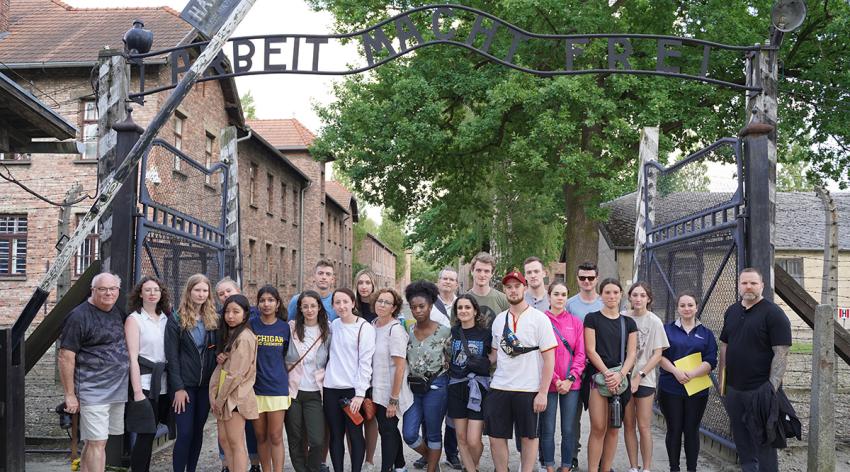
<point x="504" y="410"/>
<point x="643" y="391"/>
<point x="459" y="397"/>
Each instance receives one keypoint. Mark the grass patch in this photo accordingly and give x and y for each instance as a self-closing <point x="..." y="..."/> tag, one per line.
<point x="801" y="348"/>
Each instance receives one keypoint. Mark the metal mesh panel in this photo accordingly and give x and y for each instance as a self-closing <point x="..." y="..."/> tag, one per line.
<point x="174" y="258"/>
<point x="694" y="265"/>
<point x="172" y="181"/>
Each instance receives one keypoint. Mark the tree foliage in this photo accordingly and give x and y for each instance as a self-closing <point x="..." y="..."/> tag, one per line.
<point x="478" y="156"/>
<point x="249" y="109"/>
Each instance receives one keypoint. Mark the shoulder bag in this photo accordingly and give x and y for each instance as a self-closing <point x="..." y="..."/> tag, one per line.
<point x="599" y="377"/>
<point x="368" y="406"/>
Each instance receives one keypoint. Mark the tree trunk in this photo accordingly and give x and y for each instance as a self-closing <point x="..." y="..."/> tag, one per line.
<point x="581" y="235"/>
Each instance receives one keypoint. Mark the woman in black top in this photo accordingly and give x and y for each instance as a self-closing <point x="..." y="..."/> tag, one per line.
<point x="469" y="416"/>
<point x="603" y="346"/>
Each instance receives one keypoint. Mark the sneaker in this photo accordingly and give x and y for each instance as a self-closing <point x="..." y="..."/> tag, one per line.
<point x="454" y="461"/>
<point x="634" y="469"/>
<point x="368" y="467"/>
<point x="420" y="463"/>
<point x="324" y="468"/>
<point x="255" y="468"/>
<point x="575" y="464"/>
<point x="225" y="469"/>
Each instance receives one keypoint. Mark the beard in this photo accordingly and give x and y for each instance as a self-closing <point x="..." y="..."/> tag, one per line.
<point x="749" y="296"/>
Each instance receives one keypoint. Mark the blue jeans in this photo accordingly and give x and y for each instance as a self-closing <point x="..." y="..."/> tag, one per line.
<point x="190" y="430"/>
<point x="569" y="408"/>
<point x="430" y="409"/>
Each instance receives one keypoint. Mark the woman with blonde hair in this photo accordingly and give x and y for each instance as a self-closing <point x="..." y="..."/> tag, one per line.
<point x="190" y="344"/>
<point x="365" y="283"/>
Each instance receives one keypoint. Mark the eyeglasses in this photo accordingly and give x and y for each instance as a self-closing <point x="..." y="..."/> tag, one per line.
<point x="106" y="289"/>
<point x="587" y="278"/>
<point x="384" y="302"/>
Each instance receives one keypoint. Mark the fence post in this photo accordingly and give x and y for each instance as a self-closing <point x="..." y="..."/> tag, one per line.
<point x="759" y="137"/>
<point x="822" y="407"/>
<point x="228" y="154"/>
<point x="829" y="290"/>
<point x="647" y="183"/>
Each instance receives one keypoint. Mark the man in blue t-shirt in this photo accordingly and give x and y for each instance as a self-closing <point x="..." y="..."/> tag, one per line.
<point x="323" y="282"/>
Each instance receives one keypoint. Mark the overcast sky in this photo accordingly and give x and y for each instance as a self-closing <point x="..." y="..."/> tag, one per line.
<point x="276" y="96"/>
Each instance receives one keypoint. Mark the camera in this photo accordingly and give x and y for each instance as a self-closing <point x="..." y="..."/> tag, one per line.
<point x="64" y="416"/>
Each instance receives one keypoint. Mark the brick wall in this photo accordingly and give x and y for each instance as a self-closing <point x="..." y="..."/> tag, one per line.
<point x="337" y="241"/>
<point x="270" y="230"/>
<point x="378" y="258"/>
<point x="314" y="212"/>
<point x="5" y="15"/>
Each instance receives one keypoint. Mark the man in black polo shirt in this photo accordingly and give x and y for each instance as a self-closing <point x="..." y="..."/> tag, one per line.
<point x="754" y="347"/>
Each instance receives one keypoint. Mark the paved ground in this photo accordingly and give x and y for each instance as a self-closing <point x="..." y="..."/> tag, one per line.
<point x="209" y="456"/>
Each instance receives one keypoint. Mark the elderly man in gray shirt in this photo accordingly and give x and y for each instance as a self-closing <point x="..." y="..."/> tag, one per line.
<point x="94" y="368"/>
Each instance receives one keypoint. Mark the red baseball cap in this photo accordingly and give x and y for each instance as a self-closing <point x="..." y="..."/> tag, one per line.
<point x="514" y="274"/>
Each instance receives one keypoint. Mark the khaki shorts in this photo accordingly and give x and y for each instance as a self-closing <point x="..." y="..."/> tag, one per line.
<point x="97" y="422"/>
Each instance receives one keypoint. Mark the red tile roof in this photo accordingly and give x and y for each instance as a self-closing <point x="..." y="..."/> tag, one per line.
<point x="285" y="133"/>
<point x="345" y="199"/>
<point x="50" y="31"/>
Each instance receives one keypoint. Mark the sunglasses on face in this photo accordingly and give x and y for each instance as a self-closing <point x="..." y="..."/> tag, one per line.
<point x="587" y="278"/>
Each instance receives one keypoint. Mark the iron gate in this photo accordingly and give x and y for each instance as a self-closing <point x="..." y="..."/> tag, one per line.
<point x="181" y="225"/>
<point x="695" y="241"/>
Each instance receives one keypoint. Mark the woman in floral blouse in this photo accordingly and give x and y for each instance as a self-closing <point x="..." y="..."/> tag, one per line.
<point x="427" y="360"/>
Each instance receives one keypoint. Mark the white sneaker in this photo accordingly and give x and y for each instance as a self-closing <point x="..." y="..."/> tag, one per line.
<point x="634" y="469"/>
<point x="368" y="467"/>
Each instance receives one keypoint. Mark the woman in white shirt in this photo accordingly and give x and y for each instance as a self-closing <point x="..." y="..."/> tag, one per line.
<point x="144" y="330"/>
<point x="390" y="392"/>
<point x="347" y="377"/>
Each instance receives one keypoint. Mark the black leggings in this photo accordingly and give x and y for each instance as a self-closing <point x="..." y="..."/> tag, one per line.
<point x="338" y="426"/>
<point x="392" y="455"/>
<point x="140" y="456"/>
<point x="683" y="416"/>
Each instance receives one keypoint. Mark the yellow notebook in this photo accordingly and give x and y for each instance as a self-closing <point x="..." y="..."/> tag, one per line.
<point x="689" y="363"/>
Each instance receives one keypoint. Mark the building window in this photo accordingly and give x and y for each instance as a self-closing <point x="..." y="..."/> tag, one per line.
<point x="281" y="264"/>
<point x="13" y="245"/>
<point x="322" y="239"/>
<point x="794" y="267"/>
<point x="208" y="155"/>
<point x="179" y="123"/>
<point x="88" y="251"/>
<point x="293" y="269"/>
<point x="14" y="156"/>
<point x="89" y="129"/>
<point x="252" y="184"/>
<point x="270" y="191"/>
<point x="249" y="262"/>
<point x="269" y="264"/>
<point x="283" y="191"/>
<point x="295" y="214"/>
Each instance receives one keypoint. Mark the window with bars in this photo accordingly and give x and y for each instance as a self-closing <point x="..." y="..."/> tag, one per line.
<point x="295" y="214"/>
<point x="208" y="156"/>
<point x="252" y="183"/>
<point x="270" y="192"/>
<point x="281" y="262"/>
<point x="249" y="262"/>
<point x="13" y="245"/>
<point x="179" y="125"/>
<point x="794" y="267"/>
<point x="89" y="121"/>
<point x="283" y="191"/>
<point x="88" y="251"/>
<point x="293" y="269"/>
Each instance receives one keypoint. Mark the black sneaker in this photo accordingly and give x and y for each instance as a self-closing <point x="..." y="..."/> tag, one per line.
<point x="454" y="461"/>
<point x="574" y="465"/>
<point x="420" y="463"/>
<point x="324" y="468"/>
<point x="255" y="468"/>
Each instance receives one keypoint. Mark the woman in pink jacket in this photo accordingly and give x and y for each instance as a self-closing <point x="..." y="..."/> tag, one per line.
<point x="566" y="380"/>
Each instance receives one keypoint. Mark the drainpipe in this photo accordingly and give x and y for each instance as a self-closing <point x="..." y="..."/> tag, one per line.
<point x="301" y="237"/>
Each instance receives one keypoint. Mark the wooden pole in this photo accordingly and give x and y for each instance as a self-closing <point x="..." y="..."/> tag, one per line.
<point x="829" y="291"/>
<point x="822" y="406"/>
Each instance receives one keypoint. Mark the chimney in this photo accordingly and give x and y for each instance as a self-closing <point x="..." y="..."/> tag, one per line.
<point x="5" y="15"/>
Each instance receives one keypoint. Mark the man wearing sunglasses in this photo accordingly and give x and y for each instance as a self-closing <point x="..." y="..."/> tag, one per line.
<point x="523" y="351"/>
<point x="584" y="302"/>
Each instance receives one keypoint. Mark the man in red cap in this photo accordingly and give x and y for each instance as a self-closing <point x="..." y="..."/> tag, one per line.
<point x="523" y="343"/>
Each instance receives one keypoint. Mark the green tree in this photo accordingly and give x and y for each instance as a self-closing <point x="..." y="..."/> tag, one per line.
<point x="479" y="156"/>
<point x="792" y="175"/>
<point x="249" y="109"/>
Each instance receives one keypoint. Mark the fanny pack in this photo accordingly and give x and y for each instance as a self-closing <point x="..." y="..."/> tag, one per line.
<point x="510" y="344"/>
<point x="420" y="385"/>
<point x="599" y="377"/>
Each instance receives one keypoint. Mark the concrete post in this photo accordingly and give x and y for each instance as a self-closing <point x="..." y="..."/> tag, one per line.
<point x="822" y="407"/>
<point x="829" y="290"/>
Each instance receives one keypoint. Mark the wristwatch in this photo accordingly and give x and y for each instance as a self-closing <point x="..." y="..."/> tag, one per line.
<point x="393" y="402"/>
<point x="571" y="378"/>
<point x="642" y="374"/>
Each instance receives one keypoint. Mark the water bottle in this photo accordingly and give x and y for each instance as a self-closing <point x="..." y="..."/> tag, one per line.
<point x="616" y="412"/>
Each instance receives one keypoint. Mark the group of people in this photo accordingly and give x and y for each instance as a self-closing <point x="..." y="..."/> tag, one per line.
<point x="337" y="369"/>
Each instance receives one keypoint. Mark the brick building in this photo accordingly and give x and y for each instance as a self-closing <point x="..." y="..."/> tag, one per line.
<point x="36" y="49"/>
<point x="330" y="210"/>
<point x="376" y="255"/>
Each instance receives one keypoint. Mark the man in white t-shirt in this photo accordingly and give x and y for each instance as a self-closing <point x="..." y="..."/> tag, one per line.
<point x="523" y="343"/>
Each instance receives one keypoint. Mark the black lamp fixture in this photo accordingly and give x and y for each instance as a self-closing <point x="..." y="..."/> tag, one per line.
<point x="786" y="16"/>
<point x="138" y="40"/>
